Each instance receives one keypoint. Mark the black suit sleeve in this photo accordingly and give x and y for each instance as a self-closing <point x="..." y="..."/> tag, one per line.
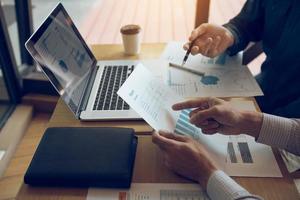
<point x="290" y="110"/>
<point x="247" y="26"/>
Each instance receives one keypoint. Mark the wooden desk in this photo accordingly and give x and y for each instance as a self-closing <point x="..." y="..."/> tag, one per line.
<point x="148" y="165"/>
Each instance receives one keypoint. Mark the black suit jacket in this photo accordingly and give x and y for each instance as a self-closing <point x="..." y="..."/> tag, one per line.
<point x="277" y="24"/>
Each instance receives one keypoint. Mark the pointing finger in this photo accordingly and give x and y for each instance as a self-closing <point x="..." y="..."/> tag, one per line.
<point x="195" y="103"/>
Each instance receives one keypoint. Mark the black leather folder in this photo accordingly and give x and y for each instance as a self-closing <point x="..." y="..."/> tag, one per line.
<point x="84" y="157"/>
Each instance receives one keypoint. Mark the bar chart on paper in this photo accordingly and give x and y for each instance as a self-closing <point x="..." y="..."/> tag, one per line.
<point x="184" y="127"/>
<point x="182" y="195"/>
<point x="169" y="194"/>
<point x="151" y="191"/>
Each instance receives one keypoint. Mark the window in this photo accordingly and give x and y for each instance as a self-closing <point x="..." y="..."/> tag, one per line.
<point x="10" y="91"/>
<point x="22" y="17"/>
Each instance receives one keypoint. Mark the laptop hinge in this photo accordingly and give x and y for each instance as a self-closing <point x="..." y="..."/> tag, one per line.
<point x="87" y="91"/>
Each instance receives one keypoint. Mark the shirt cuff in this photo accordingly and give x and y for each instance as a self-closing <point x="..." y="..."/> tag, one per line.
<point x="234" y="48"/>
<point x="275" y="131"/>
<point x="221" y="186"/>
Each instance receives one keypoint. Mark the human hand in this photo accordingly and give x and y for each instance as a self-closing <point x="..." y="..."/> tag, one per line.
<point x="185" y="156"/>
<point x="215" y="115"/>
<point x="210" y="40"/>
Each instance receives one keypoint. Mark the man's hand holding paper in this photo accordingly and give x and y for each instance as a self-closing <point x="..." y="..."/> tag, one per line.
<point x="153" y="100"/>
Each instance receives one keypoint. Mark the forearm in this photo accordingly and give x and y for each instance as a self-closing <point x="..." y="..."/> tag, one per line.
<point x="250" y="123"/>
<point x="222" y="187"/>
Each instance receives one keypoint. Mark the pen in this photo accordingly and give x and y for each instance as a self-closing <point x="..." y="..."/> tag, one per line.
<point x="187" y="53"/>
<point x="187" y="69"/>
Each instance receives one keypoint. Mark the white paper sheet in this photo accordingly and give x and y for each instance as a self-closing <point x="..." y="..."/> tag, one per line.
<point x="297" y="183"/>
<point x="1" y="154"/>
<point x="245" y="156"/>
<point x="152" y="100"/>
<point x="150" y="191"/>
<point x="224" y="76"/>
<point x="252" y="159"/>
<point x="242" y="104"/>
<point x="291" y="161"/>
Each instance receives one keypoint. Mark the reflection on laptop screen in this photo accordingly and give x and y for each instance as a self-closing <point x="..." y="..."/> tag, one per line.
<point x="62" y="54"/>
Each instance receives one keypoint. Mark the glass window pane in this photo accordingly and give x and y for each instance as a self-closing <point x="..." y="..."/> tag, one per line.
<point x="5" y="105"/>
<point x="3" y="91"/>
<point x="77" y="9"/>
<point x="8" y="7"/>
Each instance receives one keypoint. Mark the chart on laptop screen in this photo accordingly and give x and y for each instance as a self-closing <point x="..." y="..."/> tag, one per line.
<point x="62" y="51"/>
<point x="63" y="57"/>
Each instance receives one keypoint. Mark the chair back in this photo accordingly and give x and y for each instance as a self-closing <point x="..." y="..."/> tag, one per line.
<point x="202" y="12"/>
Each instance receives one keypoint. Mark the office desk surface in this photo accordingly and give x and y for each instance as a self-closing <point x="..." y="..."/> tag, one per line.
<point x="148" y="165"/>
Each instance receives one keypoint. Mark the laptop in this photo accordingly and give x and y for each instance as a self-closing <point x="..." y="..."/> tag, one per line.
<point x="88" y="87"/>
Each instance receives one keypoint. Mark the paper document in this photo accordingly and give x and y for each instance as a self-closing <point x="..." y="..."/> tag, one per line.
<point x="150" y="98"/>
<point x="150" y="191"/>
<point x="248" y="158"/>
<point x="1" y="154"/>
<point x="245" y="156"/>
<point x="243" y="104"/>
<point x="292" y="161"/>
<point x="153" y="101"/>
<point x="224" y="78"/>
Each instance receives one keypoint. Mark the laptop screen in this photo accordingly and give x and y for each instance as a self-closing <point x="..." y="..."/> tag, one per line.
<point x="62" y="54"/>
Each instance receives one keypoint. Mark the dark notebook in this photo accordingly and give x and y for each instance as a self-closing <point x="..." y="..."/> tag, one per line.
<point x="84" y="157"/>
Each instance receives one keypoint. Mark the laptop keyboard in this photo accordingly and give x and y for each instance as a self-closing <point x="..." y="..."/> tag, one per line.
<point x="112" y="79"/>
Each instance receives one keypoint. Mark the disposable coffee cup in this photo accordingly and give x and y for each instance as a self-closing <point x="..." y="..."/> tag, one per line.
<point x="131" y="39"/>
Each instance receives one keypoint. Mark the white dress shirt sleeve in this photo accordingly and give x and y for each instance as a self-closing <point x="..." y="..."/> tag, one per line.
<point x="221" y="187"/>
<point x="280" y="132"/>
